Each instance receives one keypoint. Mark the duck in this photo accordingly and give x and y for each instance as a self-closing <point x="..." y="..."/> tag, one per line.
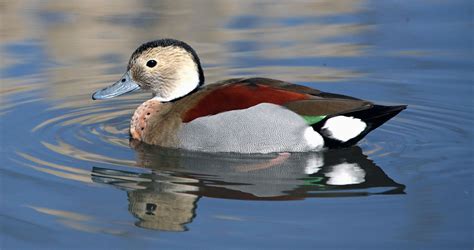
<point x="238" y="115"/>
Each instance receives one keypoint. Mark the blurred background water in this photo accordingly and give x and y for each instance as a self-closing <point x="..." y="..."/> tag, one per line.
<point x="70" y="179"/>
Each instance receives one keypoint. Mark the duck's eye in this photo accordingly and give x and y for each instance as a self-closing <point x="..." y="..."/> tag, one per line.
<point x="151" y="63"/>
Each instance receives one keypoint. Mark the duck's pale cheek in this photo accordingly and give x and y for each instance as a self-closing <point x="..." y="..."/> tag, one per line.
<point x="184" y="82"/>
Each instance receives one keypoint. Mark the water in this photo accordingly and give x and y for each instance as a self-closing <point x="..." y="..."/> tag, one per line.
<point x="70" y="178"/>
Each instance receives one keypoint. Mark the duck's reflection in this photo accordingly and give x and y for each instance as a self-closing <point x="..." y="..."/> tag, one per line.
<point x="166" y="198"/>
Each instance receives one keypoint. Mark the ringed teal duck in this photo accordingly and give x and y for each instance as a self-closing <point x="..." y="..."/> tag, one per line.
<point x="244" y="115"/>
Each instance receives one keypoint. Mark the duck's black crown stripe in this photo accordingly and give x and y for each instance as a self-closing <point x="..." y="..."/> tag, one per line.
<point x="167" y="42"/>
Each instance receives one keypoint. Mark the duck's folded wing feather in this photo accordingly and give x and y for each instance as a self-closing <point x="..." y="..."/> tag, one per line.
<point x="235" y="94"/>
<point x="326" y="106"/>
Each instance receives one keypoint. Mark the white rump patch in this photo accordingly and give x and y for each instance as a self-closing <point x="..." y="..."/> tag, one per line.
<point x="313" y="138"/>
<point x="346" y="174"/>
<point x="343" y="128"/>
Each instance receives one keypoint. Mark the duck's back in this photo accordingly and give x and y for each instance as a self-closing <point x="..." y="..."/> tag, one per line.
<point x="243" y="93"/>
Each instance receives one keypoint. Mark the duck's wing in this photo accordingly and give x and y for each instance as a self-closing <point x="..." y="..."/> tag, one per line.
<point x="243" y="93"/>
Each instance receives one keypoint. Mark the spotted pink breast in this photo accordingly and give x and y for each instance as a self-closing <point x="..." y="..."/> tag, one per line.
<point x="138" y="125"/>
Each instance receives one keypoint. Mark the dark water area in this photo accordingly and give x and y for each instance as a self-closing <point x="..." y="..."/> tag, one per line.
<point x="70" y="178"/>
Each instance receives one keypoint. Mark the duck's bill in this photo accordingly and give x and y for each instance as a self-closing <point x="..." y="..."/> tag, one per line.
<point x="123" y="86"/>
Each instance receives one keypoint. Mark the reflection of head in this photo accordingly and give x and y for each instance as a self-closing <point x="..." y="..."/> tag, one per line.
<point x="160" y="201"/>
<point x="166" y="211"/>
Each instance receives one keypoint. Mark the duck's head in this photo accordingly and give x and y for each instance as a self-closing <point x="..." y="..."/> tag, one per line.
<point x="168" y="68"/>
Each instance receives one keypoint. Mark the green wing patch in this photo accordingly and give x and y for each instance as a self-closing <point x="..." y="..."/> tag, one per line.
<point x="310" y="120"/>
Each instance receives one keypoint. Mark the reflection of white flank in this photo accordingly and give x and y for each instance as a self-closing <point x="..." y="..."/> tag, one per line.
<point x="346" y="174"/>
<point x="314" y="164"/>
<point x="343" y="128"/>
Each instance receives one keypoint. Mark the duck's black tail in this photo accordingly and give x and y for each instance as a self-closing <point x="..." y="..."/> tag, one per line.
<point x="372" y="117"/>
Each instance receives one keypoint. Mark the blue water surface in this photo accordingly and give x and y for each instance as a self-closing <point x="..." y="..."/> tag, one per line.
<point x="70" y="178"/>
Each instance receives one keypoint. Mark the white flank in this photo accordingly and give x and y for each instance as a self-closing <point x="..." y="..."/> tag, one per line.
<point x="343" y="128"/>
<point x="346" y="174"/>
<point x="313" y="139"/>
